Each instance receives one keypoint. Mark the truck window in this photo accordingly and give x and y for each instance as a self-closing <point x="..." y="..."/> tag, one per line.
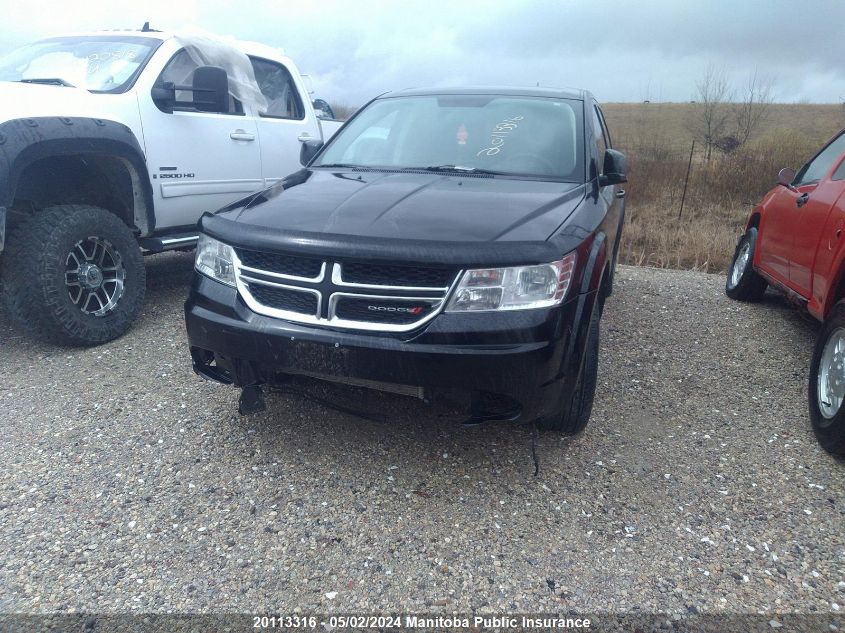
<point x="108" y="63"/>
<point x="839" y="174"/>
<point x="277" y="86"/>
<point x="180" y="70"/>
<point x="821" y="164"/>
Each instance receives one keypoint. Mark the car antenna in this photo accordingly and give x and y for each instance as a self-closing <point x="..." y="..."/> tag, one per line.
<point x="146" y="28"/>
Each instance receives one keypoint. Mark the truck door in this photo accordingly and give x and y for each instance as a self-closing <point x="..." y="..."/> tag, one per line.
<point x="775" y="240"/>
<point x="817" y="192"/>
<point x="287" y="122"/>
<point x="198" y="161"/>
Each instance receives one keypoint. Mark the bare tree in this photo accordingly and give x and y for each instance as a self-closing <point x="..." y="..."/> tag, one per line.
<point x="753" y="107"/>
<point x="711" y="111"/>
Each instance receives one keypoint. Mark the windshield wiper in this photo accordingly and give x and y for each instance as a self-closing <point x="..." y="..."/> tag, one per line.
<point x="341" y="165"/>
<point x="456" y="169"/>
<point x="52" y="81"/>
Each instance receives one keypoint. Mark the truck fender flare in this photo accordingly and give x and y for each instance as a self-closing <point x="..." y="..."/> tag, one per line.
<point x="25" y="141"/>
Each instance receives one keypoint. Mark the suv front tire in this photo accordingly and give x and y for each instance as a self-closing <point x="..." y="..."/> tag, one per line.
<point x="743" y="282"/>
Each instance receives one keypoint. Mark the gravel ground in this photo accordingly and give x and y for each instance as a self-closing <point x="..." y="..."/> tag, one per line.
<point x="128" y="484"/>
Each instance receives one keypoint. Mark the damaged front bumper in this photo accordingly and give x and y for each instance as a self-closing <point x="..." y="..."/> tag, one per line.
<point x="526" y="358"/>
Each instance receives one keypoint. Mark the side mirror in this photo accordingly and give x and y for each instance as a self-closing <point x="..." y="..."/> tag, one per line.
<point x="164" y="96"/>
<point x="323" y="109"/>
<point x="309" y="150"/>
<point x="211" y="89"/>
<point x="786" y="176"/>
<point x="615" y="168"/>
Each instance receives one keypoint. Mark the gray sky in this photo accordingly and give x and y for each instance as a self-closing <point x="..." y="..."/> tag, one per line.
<point x="622" y="50"/>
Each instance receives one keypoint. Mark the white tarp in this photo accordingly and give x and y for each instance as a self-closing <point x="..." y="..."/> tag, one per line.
<point x="206" y="49"/>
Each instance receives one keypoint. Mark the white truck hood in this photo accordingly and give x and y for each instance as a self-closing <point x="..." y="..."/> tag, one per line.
<point x="26" y="101"/>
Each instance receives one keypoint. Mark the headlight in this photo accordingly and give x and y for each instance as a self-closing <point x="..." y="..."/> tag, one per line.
<point x="516" y="288"/>
<point x="216" y="260"/>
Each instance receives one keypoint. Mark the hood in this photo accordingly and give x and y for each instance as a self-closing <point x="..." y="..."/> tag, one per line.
<point x="410" y="206"/>
<point x="22" y="100"/>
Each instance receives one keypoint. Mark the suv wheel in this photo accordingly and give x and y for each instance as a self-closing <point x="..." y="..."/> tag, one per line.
<point x="827" y="383"/>
<point x="74" y="275"/>
<point x="571" y="417"/>
<point x="743" y="282"/>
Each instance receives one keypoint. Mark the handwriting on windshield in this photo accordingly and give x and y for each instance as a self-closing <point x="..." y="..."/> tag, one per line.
<point x="499" y="134"/>
<point x="99" y="60"/>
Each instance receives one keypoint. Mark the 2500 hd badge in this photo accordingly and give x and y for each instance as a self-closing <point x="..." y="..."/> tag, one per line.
<point x="405" y="255"/>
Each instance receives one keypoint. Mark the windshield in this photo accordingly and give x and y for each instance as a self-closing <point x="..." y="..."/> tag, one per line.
<point x="510" y="135"/>
<point x="98" y="63"/>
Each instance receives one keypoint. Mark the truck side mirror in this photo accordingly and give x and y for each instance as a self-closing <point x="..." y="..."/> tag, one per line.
<point x="309" y="150"/>
<point x="615" y="168"/>
<point x="164" y="96"/>
<point x="210" y="89"/>
<point x="323" y="109"/>
<point x="786" y="176"/>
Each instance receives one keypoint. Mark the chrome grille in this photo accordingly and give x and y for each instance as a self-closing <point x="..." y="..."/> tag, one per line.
<point x="350" y="295"/>
<point x="379" y="310"/>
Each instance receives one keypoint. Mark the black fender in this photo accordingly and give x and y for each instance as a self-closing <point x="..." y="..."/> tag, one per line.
<point x="25" y="141"/>
<point x="615" y="259"/>
<point x="589" y="299"/>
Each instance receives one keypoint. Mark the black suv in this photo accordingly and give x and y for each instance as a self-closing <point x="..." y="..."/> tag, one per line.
<point x="444" y="241"/>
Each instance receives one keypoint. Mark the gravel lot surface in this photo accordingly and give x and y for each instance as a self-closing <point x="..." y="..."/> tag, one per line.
<point x="128" y="484"/>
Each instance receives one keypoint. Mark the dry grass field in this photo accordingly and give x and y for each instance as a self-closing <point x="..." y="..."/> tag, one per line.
<point x="657" y="137"/>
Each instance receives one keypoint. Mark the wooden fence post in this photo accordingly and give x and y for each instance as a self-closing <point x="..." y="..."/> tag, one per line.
<point x="686" y="180"/>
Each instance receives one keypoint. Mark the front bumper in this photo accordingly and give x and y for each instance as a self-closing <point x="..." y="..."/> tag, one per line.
<point x="530" y="357"/>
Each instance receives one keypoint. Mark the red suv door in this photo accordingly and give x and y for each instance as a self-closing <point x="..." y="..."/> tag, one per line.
<point x="816" y="191"/>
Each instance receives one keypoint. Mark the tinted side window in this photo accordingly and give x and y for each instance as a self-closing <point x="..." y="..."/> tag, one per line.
<point x="277" y="86"/>
<point x="180" y="71"/>
<point x="600" y="141"/>
<point x="604" y="131"/>
<point x="839" y="174"/>
<point x="821" y="164"/>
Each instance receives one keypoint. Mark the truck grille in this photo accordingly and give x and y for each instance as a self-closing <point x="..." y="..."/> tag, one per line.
<point x="292" y="266"/>
<point x="394" y="311"/>
<point x="284" y="299"/>
<point x="389" y="275"/>
<point x="342" y="294"/>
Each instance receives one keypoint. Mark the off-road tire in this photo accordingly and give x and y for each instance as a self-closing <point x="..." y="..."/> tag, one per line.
<point x="572" y="416"/>
<point x="830" y="432"/>
<point x="33" y="275"/>
<point x="751" y="286"/>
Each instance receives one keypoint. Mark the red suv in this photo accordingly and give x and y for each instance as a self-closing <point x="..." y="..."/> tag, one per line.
<point x="794" y="242"/>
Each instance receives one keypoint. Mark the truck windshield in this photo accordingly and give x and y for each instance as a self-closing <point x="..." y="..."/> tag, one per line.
<point x="509" y="135"/>
<point x="97" y="63"/>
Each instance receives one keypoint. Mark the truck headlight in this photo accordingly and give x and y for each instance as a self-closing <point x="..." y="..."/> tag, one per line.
<point x="515" y="288"/>
<point x="216" y="260"/>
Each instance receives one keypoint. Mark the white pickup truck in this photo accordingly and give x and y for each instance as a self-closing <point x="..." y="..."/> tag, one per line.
<point x="113" y="144"/>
